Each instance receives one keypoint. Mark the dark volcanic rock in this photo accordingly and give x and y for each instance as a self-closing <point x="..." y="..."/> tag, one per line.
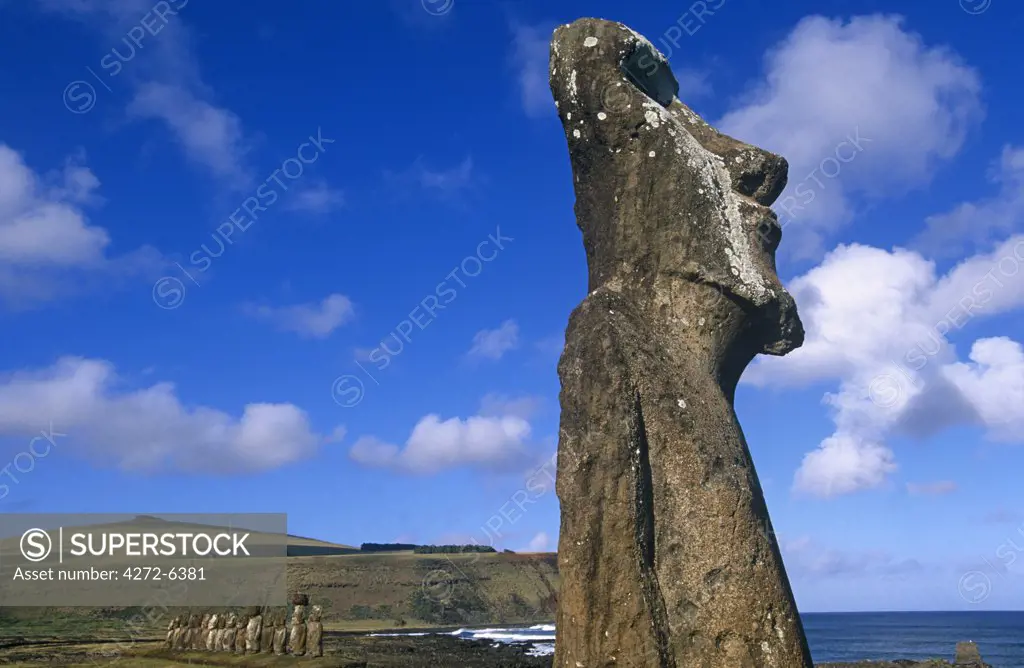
<point x="666" y="554"/>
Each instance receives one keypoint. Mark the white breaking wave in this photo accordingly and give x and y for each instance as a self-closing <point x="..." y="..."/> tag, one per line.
<point x="541" y="636"/>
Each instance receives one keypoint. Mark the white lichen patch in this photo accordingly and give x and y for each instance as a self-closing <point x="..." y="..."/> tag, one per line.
<point x="576" y="133"/>
<point x="601" y="115"/>
<point x="681" y="403"/>
<point x="590" y="41"/>
<point x="568" y="116"/>
<point x="572" y="86"/>
<point x="711" y="172"/>
<point x="651" y="154"/>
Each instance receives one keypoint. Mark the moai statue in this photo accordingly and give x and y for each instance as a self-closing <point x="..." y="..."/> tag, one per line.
<point x="217" y="637"/>
<point x="667" y="555"/>
<point x="194" y="624"/>
<point x="297" y="636"/>
<point x="240" y="633"/>
<point x="227" y="643"/>
<point x="267" y="640"/>
<point x="280" y="633"/>
<point x="180" y="631"/>
<point x="315" y="632"/>
<point x="254" y="631"/>
<point x="210" y="633"/>
<point x="199" y="642"/>
<point x="171" y="627"/>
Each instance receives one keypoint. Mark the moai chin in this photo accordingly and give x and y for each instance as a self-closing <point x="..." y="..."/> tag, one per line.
<point x="666" y="552"/>
<point x="315" y="632"/>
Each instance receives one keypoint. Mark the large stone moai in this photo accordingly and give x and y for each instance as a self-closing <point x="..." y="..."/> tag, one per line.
<point x="180" y="633"/>
<point x="227" y="635"/>
<point x="666" y="553"/>
<point x="315" y="632"/>
<point x="210" y="632"/>
<point x="280" y="633"/>
<point x="297" y="633"/>
<point x="267" y="638"/>
<point x="240" y="633"/>
<point x="172" y="626"/>
<point x="254" y="631"/>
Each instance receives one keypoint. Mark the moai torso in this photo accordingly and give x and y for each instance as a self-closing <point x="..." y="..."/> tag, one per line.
<point x="280" y="634"/>
<point x="667" y="556"/>
<point x="315" y="632"/>
<point x="297" y="636"/>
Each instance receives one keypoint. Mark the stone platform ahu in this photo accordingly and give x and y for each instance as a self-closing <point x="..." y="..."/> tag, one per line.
<point x="666" y="554"/>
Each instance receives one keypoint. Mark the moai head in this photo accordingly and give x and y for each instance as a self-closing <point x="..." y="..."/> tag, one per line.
<point x="193" y="621"/>
<point x="232" y="620"/>
<point x="212" y="622"/>
<point x="222" y="620"/>
<point x="667" y="204"/>
<point x="315" y="613"/>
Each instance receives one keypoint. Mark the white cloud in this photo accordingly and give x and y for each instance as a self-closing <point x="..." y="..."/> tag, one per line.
<point x="530" y="49"/>
<point x="806" y="560"/>
<point x="876" y="320"/>
<point x="912" y="103"/>
<point x="501" y="404"/>
<point x="939" y="488"/>
<point x="494" y="343"/>
<point x="211" y="136"/>
<point x="316" y="321"/>
<point x="446" y="184"/>
<point x="148" y="429"/>
<point x="538" y="543"/>
<point x="165" y="74"/>
<point x="978" y="224"/>
<point x="47" y="243"/>
<point x="318" y="200"/>
<point x="496" y="443"/>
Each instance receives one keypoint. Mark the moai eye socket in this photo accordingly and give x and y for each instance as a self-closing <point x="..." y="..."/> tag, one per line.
<point x="649" y="72"/>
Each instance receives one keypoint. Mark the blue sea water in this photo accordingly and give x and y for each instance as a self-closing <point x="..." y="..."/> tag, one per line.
<point x="915" y="635"/>
<point x="855" y="636"/>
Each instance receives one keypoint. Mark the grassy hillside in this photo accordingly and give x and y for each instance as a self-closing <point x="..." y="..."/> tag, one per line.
<point x="360" y="592"/>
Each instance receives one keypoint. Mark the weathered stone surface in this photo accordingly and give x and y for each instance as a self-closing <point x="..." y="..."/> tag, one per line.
<point x="210" y="634"/>
<point x="267" y="640"/>
<point x="227" y="635"/>
<point x="180" y="633"/>
<point x="667" y="555"/>
<point x="297" y="635"/>
<point x="280" y="634"/>
<point x="171" y="626"/>
<point x="240" y="634"/>
<point x="194" y="630"/>
<point x="254" y="634"/>
<point x="315" y="632"/>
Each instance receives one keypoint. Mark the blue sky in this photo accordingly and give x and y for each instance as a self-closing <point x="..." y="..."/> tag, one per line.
<point x="372" y="349"/>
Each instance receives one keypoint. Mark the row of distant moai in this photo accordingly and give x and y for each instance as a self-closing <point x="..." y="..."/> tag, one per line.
<point x="256" y="630"/>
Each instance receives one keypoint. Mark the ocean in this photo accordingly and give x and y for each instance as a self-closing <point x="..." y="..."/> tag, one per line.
<point x="857" y="636"/>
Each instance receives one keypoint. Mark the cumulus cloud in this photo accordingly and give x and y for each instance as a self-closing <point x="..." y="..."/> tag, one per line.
<point x="492" y="344"/>
<point x="877" y="321"/>
<point x="149" y="429"/>
<point x="498" y="443"/>
<point x="46" y="238"/>
<point x="977" y="225"/>
<point x="317" y="321"/>
<point x="831" y="80"/>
